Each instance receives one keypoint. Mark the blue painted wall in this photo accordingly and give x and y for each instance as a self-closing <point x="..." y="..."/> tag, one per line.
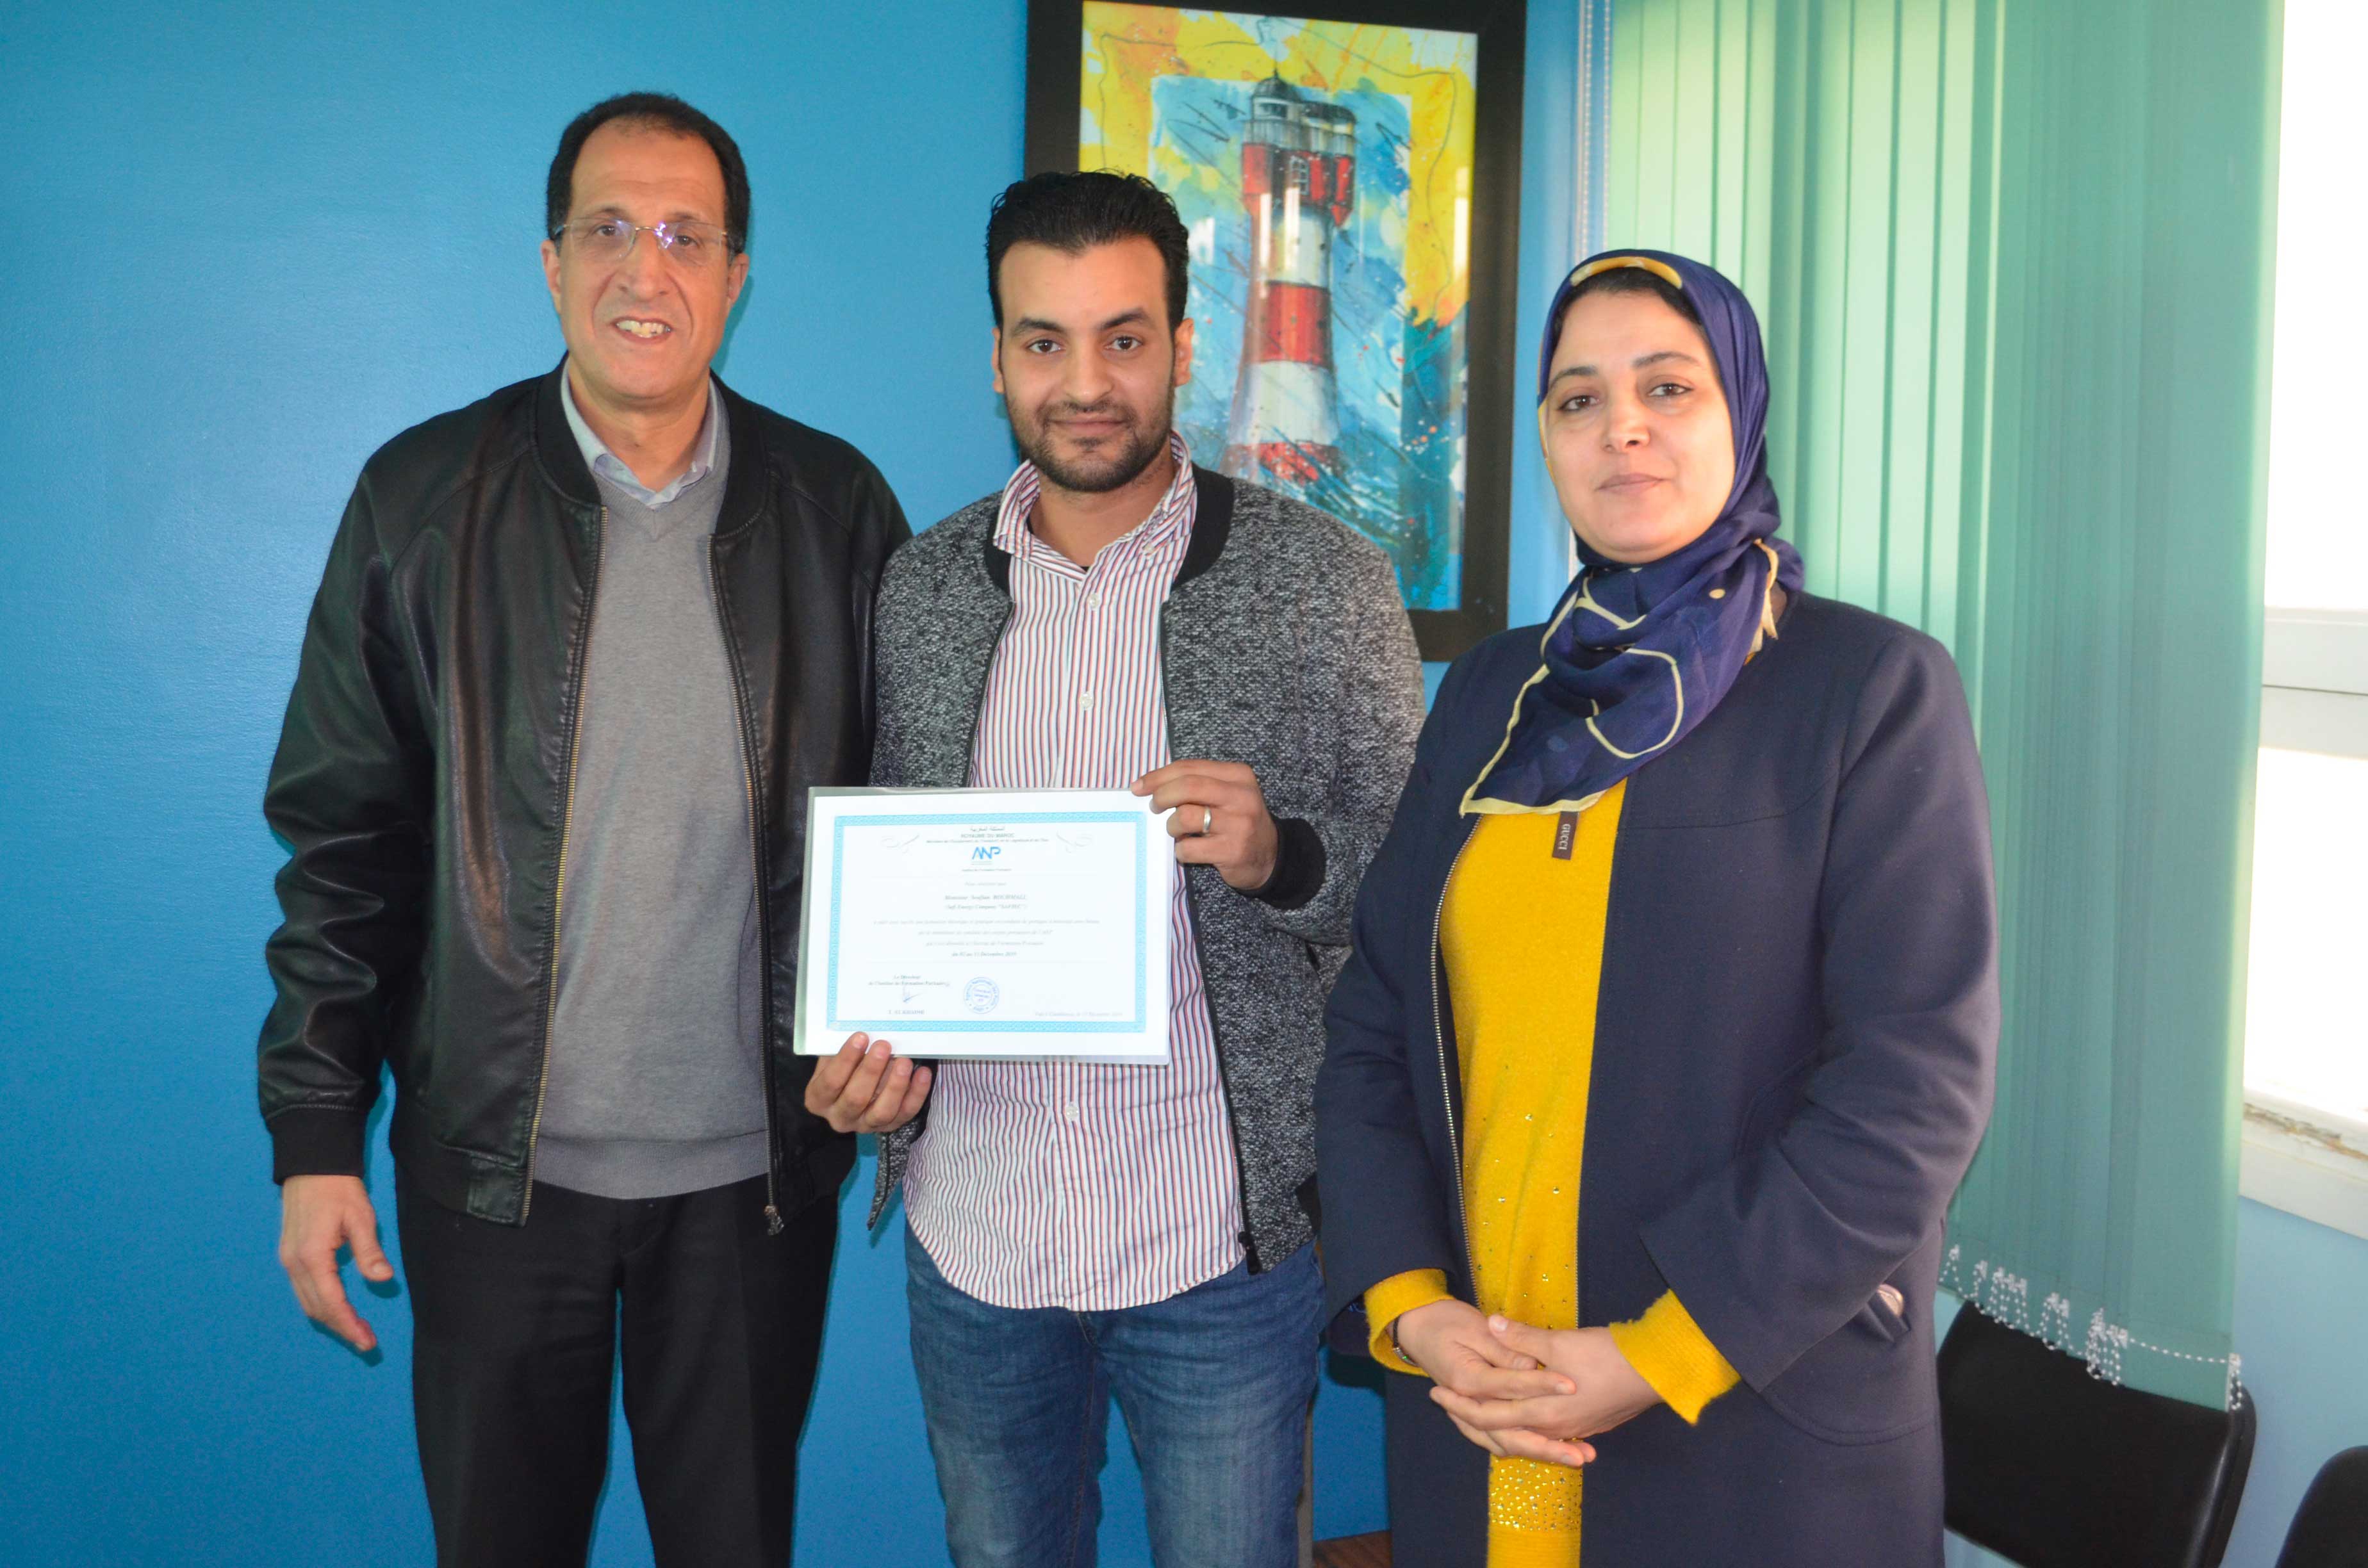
<point x="2302" y="1327"/>
<point x="248" y="243"/>
<point x="248" y="247"/>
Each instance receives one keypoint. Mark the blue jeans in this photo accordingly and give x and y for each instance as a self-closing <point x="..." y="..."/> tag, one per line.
<point x="1214" y="1384"/>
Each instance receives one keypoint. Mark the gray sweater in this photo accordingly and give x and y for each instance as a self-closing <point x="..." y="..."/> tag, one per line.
<point x="1285" y="644"/>
<point x="656" y="1083"/>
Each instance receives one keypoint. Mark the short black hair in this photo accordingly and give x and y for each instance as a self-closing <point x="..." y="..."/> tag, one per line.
<point x="1629" y="281"/>
<point x="656" y="112"/>
<point x="1073" y="212"/>
<point x="1634" y="280"/>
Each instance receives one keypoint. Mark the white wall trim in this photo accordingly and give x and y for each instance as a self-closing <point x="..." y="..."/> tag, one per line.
<point x="2334" y="723"/>
<point x="2292" y="1158"/>
<point x="2317" y="650"/>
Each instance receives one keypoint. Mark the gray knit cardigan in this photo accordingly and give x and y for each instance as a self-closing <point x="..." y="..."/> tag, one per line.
<point x="1283" y="644"/>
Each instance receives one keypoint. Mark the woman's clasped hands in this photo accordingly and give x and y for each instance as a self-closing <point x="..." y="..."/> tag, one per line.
<point x="1523" y="1392"/>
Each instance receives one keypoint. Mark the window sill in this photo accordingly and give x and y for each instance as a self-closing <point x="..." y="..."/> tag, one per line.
<point x="2292" y="1158"/>
<point x="2333" y="724"/>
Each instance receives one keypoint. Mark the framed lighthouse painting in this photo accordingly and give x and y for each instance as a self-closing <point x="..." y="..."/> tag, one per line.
<point x="1351" y="183"/>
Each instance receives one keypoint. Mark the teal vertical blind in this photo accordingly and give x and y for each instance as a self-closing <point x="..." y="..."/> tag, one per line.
<point x="2013" y="260"/>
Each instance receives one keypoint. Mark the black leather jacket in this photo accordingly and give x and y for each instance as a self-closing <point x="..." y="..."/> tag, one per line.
<point x="423" y="778"/>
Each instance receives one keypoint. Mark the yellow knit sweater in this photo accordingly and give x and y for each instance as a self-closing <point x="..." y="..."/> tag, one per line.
<point x="1523" y="935"/>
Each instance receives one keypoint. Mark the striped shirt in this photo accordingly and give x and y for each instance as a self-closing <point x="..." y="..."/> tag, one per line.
<point x="1070" y="1183"/>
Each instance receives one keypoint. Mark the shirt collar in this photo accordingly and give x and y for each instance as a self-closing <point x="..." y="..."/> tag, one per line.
<point x="609" y="466"/>
<point x="1171" y="517"/>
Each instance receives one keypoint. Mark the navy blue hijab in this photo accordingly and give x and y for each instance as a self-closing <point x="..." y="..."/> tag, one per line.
<point x="1635" y="656"/>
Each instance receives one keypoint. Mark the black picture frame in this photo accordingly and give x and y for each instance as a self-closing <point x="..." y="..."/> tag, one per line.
<point x="1055" y="53"/>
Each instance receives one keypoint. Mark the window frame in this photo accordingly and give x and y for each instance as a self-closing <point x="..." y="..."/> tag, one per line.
<point x="2298" y="1156"/>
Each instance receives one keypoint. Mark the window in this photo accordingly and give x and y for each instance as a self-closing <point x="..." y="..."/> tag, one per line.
<point x="2306" y="1025"/>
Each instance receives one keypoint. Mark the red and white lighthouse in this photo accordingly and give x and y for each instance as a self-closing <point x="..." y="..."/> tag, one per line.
<point x="1299" y="182"/>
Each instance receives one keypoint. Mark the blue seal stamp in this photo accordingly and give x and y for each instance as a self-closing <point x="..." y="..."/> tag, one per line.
<point x="981" y="995"/>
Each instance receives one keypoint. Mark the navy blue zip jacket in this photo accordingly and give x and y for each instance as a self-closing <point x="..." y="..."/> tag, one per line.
<point x="1795" y="1042"/>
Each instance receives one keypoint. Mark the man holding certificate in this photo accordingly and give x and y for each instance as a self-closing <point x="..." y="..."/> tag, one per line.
<point x="1106" y="1196"/>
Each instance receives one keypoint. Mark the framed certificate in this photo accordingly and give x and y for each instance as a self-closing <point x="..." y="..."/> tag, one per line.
<point x="986" y="923"/>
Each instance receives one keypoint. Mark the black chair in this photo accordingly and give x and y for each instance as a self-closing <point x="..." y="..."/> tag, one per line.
<point x="2330" y="1528"/>
<point x="2054" y="1468"/>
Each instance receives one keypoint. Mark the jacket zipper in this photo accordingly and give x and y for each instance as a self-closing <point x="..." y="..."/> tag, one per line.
<point x="559" y="881"/>
<point x="1225" y="1094"/>
<point x="773" y="1221"/>
<point x="1447" y="1069"/>
<point x="910" y="1131"/>
<point x="1216" y="1036"/>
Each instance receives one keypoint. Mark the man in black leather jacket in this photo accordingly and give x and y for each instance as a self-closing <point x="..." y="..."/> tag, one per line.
<point x="579" y="650"/>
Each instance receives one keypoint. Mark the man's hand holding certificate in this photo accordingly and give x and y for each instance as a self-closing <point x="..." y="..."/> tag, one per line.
<point x="1022" y="924"/>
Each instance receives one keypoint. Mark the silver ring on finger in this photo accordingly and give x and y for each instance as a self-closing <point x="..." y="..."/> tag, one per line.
<point x="1208" y="821"/>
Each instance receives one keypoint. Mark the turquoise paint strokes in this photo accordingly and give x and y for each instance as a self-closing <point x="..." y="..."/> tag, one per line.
<point x="1400" y="421"/>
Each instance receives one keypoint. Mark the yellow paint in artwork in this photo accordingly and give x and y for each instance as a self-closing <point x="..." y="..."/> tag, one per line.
<point x="1127" y="46"/>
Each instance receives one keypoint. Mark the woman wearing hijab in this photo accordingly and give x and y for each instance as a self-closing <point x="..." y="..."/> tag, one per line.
<point x="1670" y="1026"/>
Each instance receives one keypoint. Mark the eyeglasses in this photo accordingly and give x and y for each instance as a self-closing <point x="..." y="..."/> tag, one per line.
<point x="606" y="242"/>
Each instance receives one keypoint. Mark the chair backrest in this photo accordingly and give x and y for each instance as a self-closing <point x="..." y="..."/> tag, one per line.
<point x="2330" y="1528"/>
<point x="2054" y="1468"/>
